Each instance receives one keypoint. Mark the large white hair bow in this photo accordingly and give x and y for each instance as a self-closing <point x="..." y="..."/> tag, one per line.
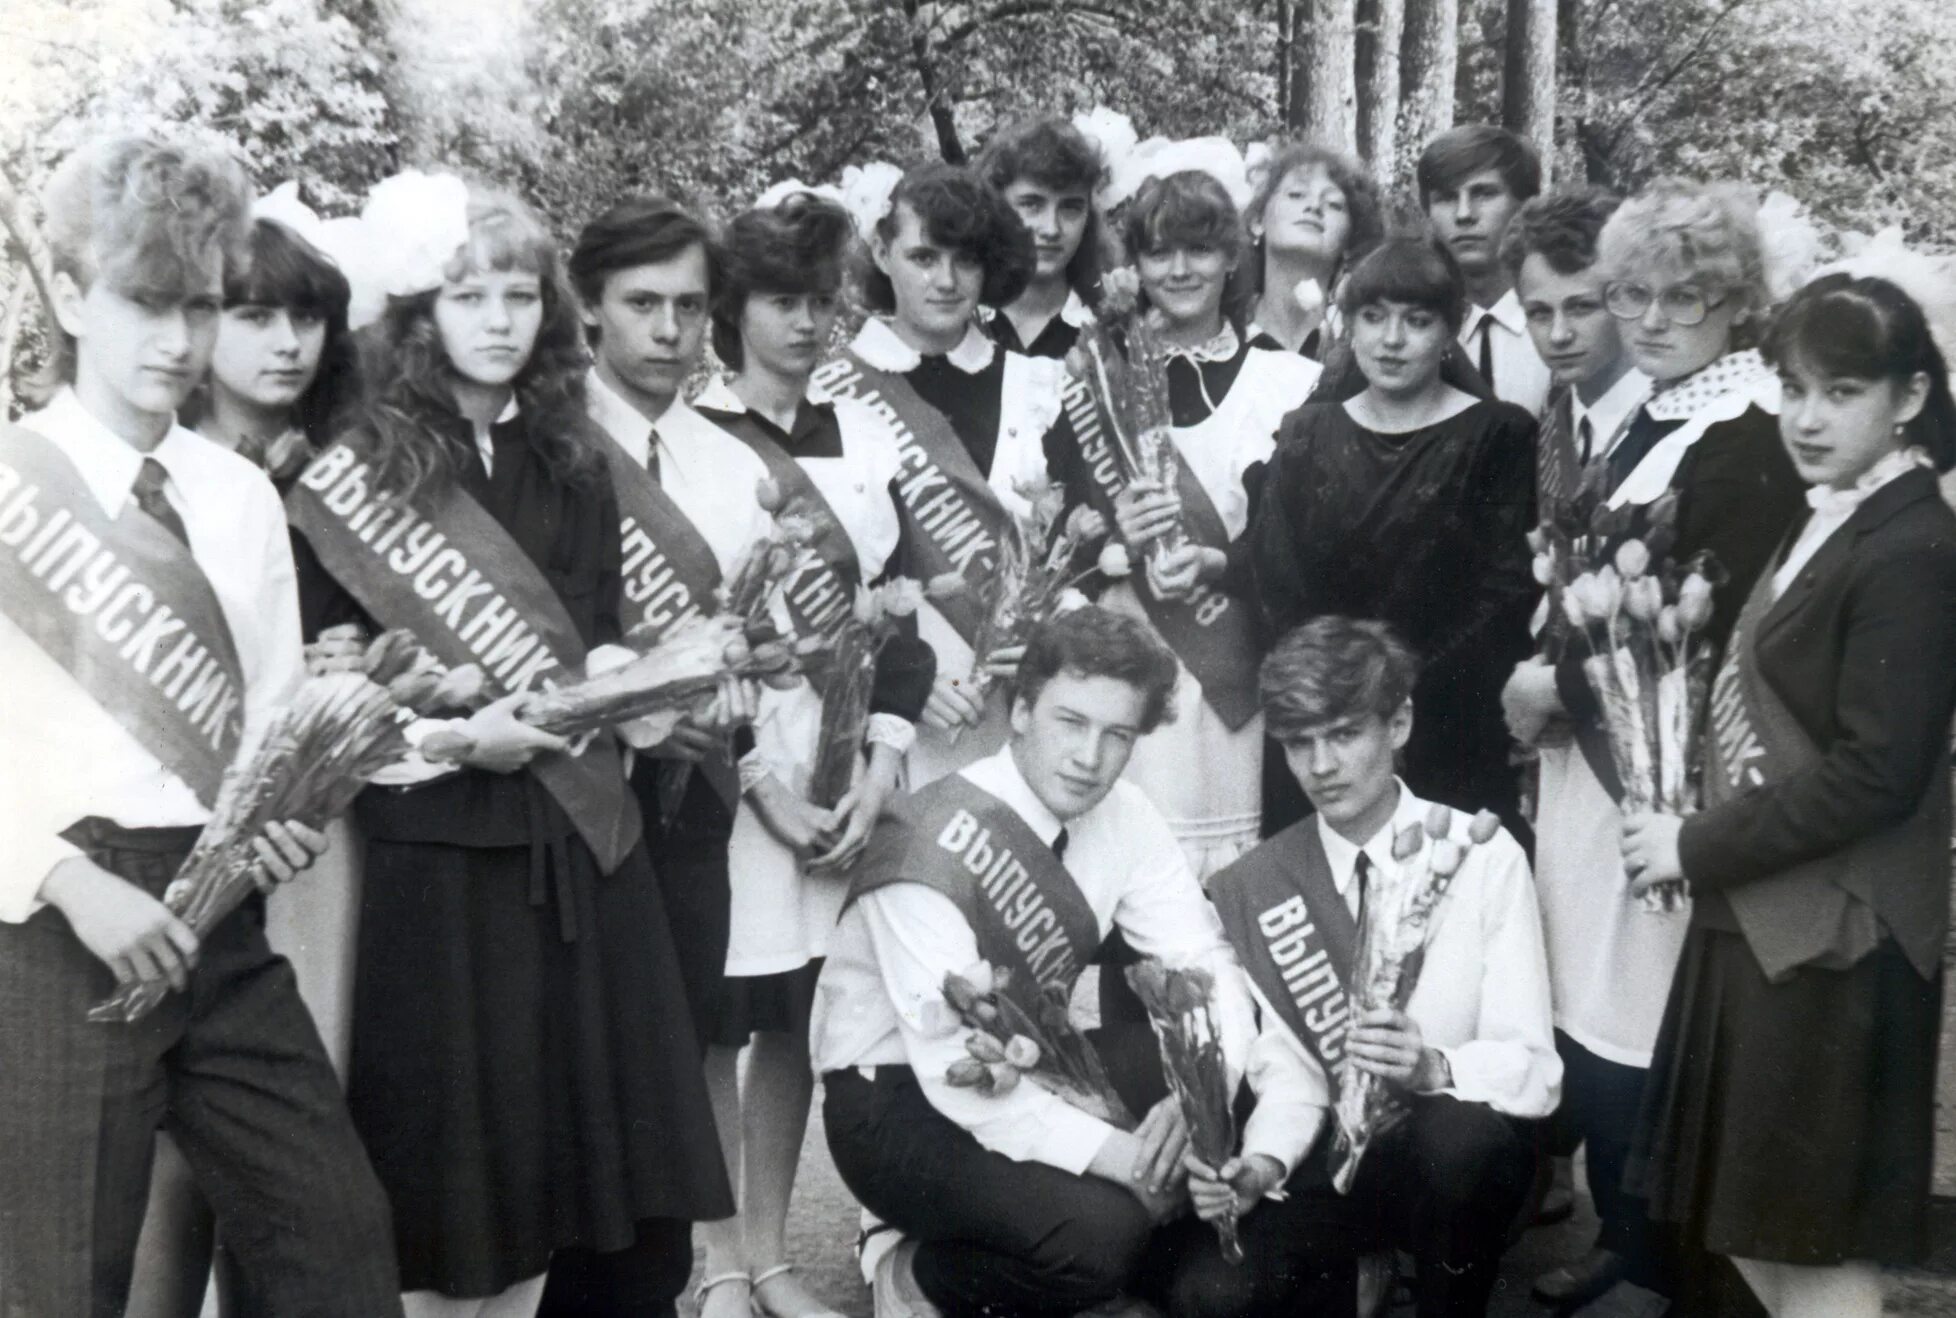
<point x="400" y="244"/>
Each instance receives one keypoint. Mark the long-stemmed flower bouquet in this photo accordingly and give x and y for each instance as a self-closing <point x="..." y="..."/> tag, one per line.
<point x="1035" y="1037"/>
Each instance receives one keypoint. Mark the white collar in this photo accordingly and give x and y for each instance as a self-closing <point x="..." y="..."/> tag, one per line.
<point x="1735" y="376"/>
<point x="878" y="344"/>
<point x="108" y="463"/>
<point x="998" y="773"/>
<point x="1075" y="312"/>
<point x="1838" y="505"/>
<point x="1343" y="853"/>
<point x="1617" y="402"/>
<point x="1506" y="312"/>
<point x="719" y="396"/>
<point x="1222" y="346"/>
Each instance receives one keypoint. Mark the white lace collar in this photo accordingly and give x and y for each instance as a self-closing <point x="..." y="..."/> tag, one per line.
<point x="1733" y="375"/>
<point x="878" y="344"/>
<point x="1833" y="504"/>
<point x="1221" y="347"/>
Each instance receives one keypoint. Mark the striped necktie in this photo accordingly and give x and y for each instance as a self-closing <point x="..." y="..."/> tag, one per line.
<point x="148" y="492"/>
<point x="1557" y="463"/>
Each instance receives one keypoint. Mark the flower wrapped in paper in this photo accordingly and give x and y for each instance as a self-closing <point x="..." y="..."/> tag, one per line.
<point x="1392" y="941"/>
<point x="849" y="677"/>
<point x="336" y="732"/>
<point x="1181" y="1007"/>
<point x="1641" y="619"/>
<point x="1029" y="1034"/>
<point x="1125" y="368"/>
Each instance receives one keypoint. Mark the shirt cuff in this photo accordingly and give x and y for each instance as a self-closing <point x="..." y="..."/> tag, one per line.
<point x="891" y="730"/>
<point x="28" y="867"/>
<point x="411" y="770"/>
<point x="1072" y="1139"/>
<point x="1284" y="1131"/>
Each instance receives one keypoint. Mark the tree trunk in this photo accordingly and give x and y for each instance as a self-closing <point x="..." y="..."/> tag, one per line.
<point x="1528" y="77"/>
<point x="1283" y="17"/>
<point x="942" y="121"/>
<point x="1381" y="24"/>
<point x="1429" y="52"/>
<point x="1327" y="66"/>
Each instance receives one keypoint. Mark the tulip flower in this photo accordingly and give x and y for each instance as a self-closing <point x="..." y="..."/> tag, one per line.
<point x="1694" y="602"/>
<point x="1447" y="855"/>
<point x="1538" y="540"/>
<point x="768" y="494"/>
<point x="1406" y="842"/>
<point x="1484" y="825"/>
<point x="1643" y="599"/>
<point x="1544" y="568"/>
<point x="1632" y="559"/>
<point x="1669" y="630"/>
<point x="1439" y="820"/>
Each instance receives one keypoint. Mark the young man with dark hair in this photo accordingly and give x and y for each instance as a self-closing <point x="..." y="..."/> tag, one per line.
<point x="687" y="501"/>
<point x="1549" y="252"/>
<point x="1016" y="1202"/>
<point x="1047" y="170"/>
<point x="1471" y="1053"/>
<point x="1472" y="179"/>
<point x="149" y="628"/>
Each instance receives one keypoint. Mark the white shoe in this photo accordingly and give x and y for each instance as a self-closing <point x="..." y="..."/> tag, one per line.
<point x="895" y="1288"/>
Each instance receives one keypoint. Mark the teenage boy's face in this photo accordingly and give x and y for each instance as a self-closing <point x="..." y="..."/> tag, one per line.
<point x="1573" y="331"/>
<point x="1344" y="765"/>
<point x="651" y="322"/>
<point x="1057" y="218"/>
<point x="936" y="288"/>
<point x="1471" y="218"/>
<point x="144" y="352"/>
<point x="1072" y="742"/>
<point x="488" y="323"/>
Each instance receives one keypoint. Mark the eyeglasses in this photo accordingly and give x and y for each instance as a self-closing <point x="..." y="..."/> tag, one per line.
<point x="1682" y="303"/>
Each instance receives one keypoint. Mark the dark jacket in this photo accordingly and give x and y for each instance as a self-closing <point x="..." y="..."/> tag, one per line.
<point x="1861" y="648"/>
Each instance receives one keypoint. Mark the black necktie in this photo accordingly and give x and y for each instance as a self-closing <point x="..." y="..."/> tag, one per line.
<point x="149" y="497"/>
<point x="652" y="456"/>
<point x="1585" y="441"/>
<point x="1362" y="876"/>
<point x="1059" y="843"/>
<point x="1487" y="350"/>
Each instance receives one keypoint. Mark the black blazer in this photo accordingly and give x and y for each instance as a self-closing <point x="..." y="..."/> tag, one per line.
<point x="1862" y="649"/>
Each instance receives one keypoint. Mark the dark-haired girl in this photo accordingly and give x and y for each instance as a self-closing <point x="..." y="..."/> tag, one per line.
<point x="1790" y="1114"/>
<point x="523" y="1070"/>
<point x="773" y="313"/>
<point x="1411" y="502"/>
<point x="976" y="424"/>
<point x="1313" y="214"/>
<point x="1048" y="171"/>
<point x="1227" y="398"/>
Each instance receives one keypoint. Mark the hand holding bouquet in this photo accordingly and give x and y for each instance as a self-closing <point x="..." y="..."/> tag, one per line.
<point x="337" y="731"/>
<point x="1180" y="1007"/>
<point x="1131" y="390"/>
<point x="1392" y="943"/>
<point x="850" y="677"/>
<point x="1010" y="1039"/>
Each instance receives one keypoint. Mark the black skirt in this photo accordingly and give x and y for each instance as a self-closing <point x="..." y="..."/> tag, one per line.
<point x="755" y="1004"/>
<point x="1792" y="1122"/>
<point x="524" y="1082"/>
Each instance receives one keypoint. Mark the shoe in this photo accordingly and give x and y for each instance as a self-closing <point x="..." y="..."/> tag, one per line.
<point x="1626" y="1299"/>
<point x="724" y="1279"/>
<point x="1575" y="1284"/>
<point x="895" y="1289"/>
<point x="763" y="1308"/>
<point x="1557" y="1207"/>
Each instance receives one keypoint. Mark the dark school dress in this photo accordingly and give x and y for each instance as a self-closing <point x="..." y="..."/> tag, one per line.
<point x="1426" y="530"/>
<point x="523" y="1069"/>
<point x="905" y="669"/>
<point x="1055" y="339"/>
<point x="1793" y="1118"/>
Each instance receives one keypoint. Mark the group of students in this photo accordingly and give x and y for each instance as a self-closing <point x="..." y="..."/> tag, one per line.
<point x="560" y="953"/>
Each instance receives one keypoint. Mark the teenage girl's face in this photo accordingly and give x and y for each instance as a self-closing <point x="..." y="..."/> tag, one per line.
<point x="1835" y="427"/>
<point x="1057" y="219"/>
<point x="786" y="333"/>
<point x="267" y="356"/>
<point x="1186" y="283"/>
<point x="138" y="355"/>
<point x="1665" y="350"/>
<point x="1308" y="215"/>
<point x="488" y="322"/>
<point x="1399" y="345"/>
<point x="936" y="288"/>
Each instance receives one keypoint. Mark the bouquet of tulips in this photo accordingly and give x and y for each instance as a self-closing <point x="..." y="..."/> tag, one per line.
<point x="1643" y="619"/>
<point x="1131" y="388"/>
<point x="1036" y="1037"/>
<point x="1035" y="569"/>
<point x="337" y="731"/>
<point x="1180" y="1005"/>
<point x="853" y="645"/>
<point x="1391" y="951"/>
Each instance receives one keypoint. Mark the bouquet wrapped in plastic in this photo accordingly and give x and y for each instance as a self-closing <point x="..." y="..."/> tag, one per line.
<point x="1037" y="566"/>
<point x="848" y="680"/>
<point x="1011" y="1038"/>
<point x="337" y="731"/>
<point x="1131" y="388"/>
<point x="1642" y="619"/>
<point x="1391" y="951"/>
<point x="1181" y="1007"/>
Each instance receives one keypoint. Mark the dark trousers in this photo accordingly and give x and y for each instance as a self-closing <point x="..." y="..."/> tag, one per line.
<point x="1601" y="1099"/>
<point x="233" y="1069"/>
<point x="998" y="1236"/>
<point x="1444" y="1186"/>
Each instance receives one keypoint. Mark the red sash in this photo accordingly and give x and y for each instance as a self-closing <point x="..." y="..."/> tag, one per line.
<point x="952" y="520"/>
<point x="824" y="591"/>
<point x="449" y="573"/>
<point x="122" y="606"/>
<point x="1295" y="937"/>
<point x="1029" y="914"/>
<point x="1211" y="632"/>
